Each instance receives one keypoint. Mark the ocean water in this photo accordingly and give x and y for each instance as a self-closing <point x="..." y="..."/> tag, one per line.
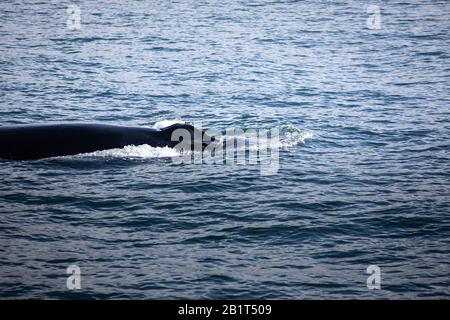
<point x="363" y="179"/>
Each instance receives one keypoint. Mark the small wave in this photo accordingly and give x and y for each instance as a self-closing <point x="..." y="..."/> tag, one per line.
<point x="289" y="136"/>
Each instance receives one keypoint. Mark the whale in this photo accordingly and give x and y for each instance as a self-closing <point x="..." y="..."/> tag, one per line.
<point x="39" y="141"/>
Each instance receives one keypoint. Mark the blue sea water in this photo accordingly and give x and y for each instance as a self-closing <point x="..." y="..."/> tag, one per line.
<point x="363" y="178"/>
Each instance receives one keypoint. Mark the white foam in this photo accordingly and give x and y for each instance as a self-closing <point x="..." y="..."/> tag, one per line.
<point x="132" y="152"/>
<point x="166" y="123"/>
<point x="289" y="136"/>
<point x="293" y="136"/>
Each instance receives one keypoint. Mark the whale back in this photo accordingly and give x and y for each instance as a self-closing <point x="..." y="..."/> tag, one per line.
<point x="28" y="142"/>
